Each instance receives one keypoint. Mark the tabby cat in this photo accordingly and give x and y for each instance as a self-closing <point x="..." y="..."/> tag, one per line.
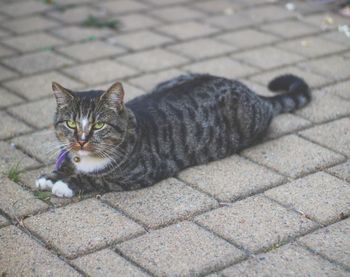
<point x="189" y="120"/>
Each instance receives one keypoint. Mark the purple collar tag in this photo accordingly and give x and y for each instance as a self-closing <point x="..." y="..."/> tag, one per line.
<point x="61" y="158"/>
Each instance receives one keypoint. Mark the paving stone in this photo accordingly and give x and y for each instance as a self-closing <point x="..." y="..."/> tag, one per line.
<point x="325" y="21"/>
<point x="324" y="106"/>
<point x="152" y="59"/>
<point x="310" y="46"/>
<point x="202" y="48"/>
<point x="267" y="57"/>
<point x="16" y="202"/>
<point x="286" y="123"/>
<point x="41" y="144"/>
<point x="332" y="241"/>
<point x="28" y="24"/>
<point x="154" y="206"/>
<point x="76" y="14"/>
<point x="6" y="73"/>
<point x="36" y="62"/>
<point x="336" y="36"/>
<point x="218" y="6"/>
<point x="182" y="249"/>
<point x="137" y="21"/>
<point x="10" y="157"/>
<point x="307" y="156"/>
<point x="38" y="86"/>
<point x="28" y="178"/>
<point x="91" y="50"/>
<point x="255" y="223"/>
<point x="5" y="51"/>
<point x="231" y="22"/>
<point x="11" y="126"/>
<point x="334" y="67"/>
<point x="319" y="196"/>
<point x="140" y="40"/>
<point x="232" y="178"/>
<point x="77" y="33"/>
<point x="289" y="28"/>
<point x="335" y="135"/>
<point x="4" y="33"/>
<point x="224" y="67"/>
<point x="22" y="256"/>
<point x="187" y="30"/>
<point x="43" y="117"/>
<point x="257" y="88"/>
<point x="24" y="8"/>
<point x="3" y="221"/>
<point x="31" y="42"/>
<point x="340" y="89"/>
<point x="247" y="38"/>
<point x="176" y="13"/>
<point x="101" y="224"/>
<point x="109" y="264"/>
<point x="7" y="98"/>
<point x="312" y="79"/>
<point x="341" y="171"/>
<point x="100" y="72"/>
<point x="149" y="81"/>
<point x="269" y="13"/>
<point x="288" y="260"/>
<point x="123" y="6"/>
<point x="164" y="2"/>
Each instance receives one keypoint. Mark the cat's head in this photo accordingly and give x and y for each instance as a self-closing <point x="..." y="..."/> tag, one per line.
<point x="90" y="122"/>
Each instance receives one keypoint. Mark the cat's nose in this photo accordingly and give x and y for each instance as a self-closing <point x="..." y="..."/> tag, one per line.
<point x="82" y="143"/>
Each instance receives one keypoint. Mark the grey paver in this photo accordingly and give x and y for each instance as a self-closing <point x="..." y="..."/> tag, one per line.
<point x="334" y="135"/>
<point x="332" y="241"/>
<point x="176" y="13"/>
<point x="224" y="67"/>
<point x="219" y="6"/>
<point x="100" y="72"/>
<point x="137" y="21"/>
<point x="181" y="249"/>
<point x="231" y="178"/>
<point x="165" y="2"/>
<point x="154" y="206"/>
<point x="101" y="224"/>
<point x="340" y="89"/>
<point x="334" y="67"/>
<point x="32" y="42"/>
<point x="42" y="118"/>
<point x="186" y="30"/>
<point x="307" y="156"/>
<point x="91" y="50"/>
<point x="6" y="73"/>
<point x="28" y="178"/>
<point x="325" y="21"/>
<point x="324" y="106"/>
<point x="140" y="39"/>
<point x="22" y="256"/>
<point x="336" y="36"/>
<point x="319" y="196"/>
<point x="11" y="126"/>
<point x="289" y="28"/>
<point x="38" y="86"/>
<point x="268" y="57"/>
<point x="202" y="48"/>
<point x="10" y="156"/>
<point x="154" y="59"/>
<point x="255" y="223"/>
<point x="42" y="145"/>
<point x="16" y="202"/>
<point x="75" y="14"/>
<point x="123" y="6"/>
<point x="36" y="62"/>
<point x="5" y="51"/>
<point x="78" y="33"/>
<point x="247" y="38"/>
<point x="310" y="46"/>
<point x="341" y="171"/>
<point x="3" y="221"/>
<point x="27" y="24"/>
<point x="289" y="260"/>
<point x="231" y="21"/>
<point x="108" y="264"/>
<point x="25" y="8"/>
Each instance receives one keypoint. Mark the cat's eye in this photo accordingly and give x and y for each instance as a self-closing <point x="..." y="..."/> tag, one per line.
<point x="71" y="124"/>
<point x="99" y="125"/>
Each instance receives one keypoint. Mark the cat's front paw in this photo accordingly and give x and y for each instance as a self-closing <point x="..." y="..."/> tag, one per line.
<point x="43" y="183"/>
<point x="61" y="189"/>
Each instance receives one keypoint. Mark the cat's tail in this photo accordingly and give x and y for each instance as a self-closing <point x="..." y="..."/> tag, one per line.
<point x="297" y="93"/>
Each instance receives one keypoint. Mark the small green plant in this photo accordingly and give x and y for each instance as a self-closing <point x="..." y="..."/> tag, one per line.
<point x="42" y="195"/>
<point x="14" y="172"/>
<point x="93" y="21"/>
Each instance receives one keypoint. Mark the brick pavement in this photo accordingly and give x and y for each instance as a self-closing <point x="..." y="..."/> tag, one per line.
<point x="279" y="208"/>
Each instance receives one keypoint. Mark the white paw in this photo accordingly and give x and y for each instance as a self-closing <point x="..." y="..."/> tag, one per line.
<point x="61" y="189"/>
<point x="43" y="183"/>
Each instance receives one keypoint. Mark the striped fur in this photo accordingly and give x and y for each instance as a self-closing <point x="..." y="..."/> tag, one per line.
<point x="190" y="120"/>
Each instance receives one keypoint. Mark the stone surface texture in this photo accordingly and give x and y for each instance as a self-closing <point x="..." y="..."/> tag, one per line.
<point x="278" y="208"/>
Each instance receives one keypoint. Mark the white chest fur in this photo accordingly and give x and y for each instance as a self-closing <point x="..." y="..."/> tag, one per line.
<point x="89" y="163"/>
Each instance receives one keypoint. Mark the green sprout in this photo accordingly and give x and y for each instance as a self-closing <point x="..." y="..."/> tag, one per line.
<point x="14" y="172"/>
<point x="93" y="21"/>
<point x="42" y="195"/>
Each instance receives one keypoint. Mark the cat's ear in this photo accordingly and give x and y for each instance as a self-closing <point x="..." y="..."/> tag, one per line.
<point x="115" y="96"/>
<point x="63" y="96"/>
